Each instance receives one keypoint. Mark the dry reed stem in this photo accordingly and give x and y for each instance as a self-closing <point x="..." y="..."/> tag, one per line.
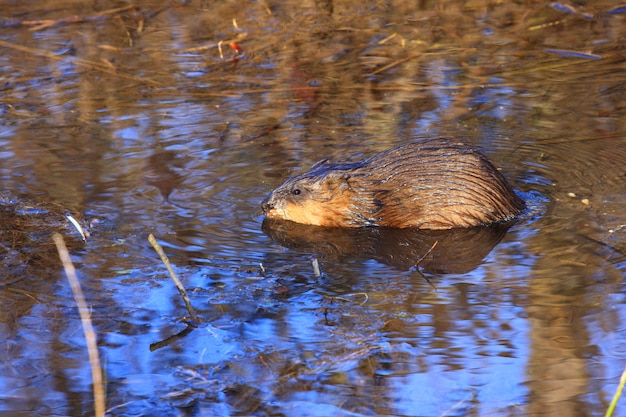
<point x="179" y="285"/>
<point x="42" y="24"/>
<point x="85" y="319"/>
<point x="617" y="395"/>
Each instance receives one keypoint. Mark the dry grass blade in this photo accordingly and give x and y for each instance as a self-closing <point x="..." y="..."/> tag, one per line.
<point x="618" y="394"/>
<point x="42" y="24"/>
<point x="85" y="319"/>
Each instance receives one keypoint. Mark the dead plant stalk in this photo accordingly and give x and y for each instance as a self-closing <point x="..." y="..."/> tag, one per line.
<point x="85" y="319"/>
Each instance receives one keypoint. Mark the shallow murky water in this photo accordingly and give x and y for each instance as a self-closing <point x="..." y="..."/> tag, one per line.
<point x="131" y="120"/>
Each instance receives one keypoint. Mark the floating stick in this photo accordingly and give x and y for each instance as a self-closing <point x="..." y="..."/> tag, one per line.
<point x="181" y="289"/>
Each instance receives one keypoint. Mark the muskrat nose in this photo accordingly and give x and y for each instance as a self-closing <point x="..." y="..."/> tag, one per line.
<point x="266" y="206"/>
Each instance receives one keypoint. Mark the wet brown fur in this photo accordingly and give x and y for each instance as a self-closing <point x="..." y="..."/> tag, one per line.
<point x="430" y="184"/>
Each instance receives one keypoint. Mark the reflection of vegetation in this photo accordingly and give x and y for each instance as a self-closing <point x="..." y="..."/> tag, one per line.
<point x="280" y="375"/>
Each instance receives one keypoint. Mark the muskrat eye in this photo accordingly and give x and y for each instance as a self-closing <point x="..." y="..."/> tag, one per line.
<point x="296" y="191"/>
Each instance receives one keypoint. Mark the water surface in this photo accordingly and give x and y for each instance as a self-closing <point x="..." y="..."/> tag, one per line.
<point x="135" y="122"/>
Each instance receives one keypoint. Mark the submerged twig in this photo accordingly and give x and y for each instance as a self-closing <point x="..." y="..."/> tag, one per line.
<point x="395" y="64"/>
<point x="169" y="340"/>
<point x="346" y="299"/>
<point x="85" y="319"/>
<point x="179" y="285"/>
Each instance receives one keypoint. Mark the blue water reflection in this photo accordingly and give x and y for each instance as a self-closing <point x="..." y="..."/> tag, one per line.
<point x="150" y="131"/>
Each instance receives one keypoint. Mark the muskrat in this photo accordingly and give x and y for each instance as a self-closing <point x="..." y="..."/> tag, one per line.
<point x="428" y="184"/>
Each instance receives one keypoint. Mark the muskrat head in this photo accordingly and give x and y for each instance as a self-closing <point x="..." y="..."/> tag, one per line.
<point x="318" y="197"/>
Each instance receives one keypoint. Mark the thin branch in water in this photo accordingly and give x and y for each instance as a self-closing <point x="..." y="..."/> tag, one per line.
<point x="169" y="340"/>
<point x="179" y="285"/>
<point x="427" y="253"/>
<point x="85" y="319"/>
<point x="394" y="64"/>
<point x="417" y="264"/>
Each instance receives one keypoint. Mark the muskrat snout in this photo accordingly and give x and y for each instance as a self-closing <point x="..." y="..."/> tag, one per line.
<point x="266" y="206"/>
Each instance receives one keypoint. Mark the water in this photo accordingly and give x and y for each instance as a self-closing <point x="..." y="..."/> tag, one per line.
<point x="133" y="123"/>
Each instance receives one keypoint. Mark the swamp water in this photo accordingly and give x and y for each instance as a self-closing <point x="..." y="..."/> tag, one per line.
<point x="177" y="119"/>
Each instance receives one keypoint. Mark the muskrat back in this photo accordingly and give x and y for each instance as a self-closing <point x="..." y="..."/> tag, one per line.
<point x="428" y="184"/>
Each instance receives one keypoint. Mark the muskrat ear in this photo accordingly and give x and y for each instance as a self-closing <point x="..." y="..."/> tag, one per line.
<point x="338" y="180"/>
